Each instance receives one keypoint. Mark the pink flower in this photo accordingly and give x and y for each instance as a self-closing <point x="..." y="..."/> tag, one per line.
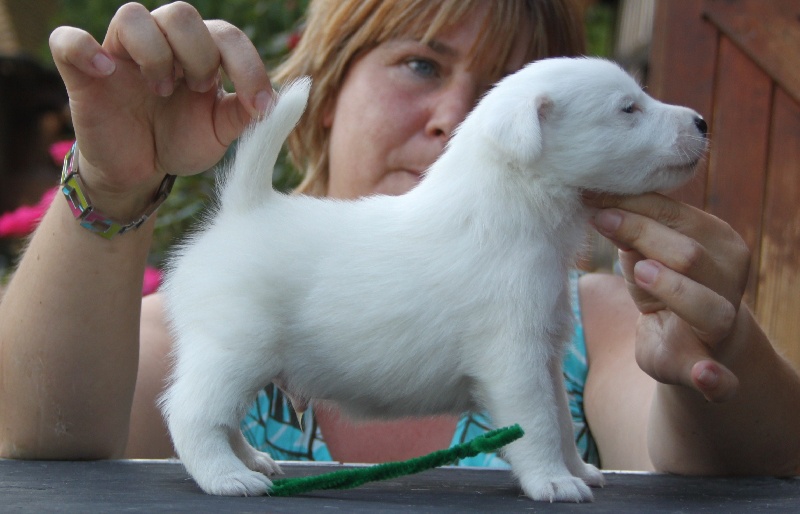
<point x="23" y="220"/>
<point x="58" y="151"/>
<point x="152" y="279"/>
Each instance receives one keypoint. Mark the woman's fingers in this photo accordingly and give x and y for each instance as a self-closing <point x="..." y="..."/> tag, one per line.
<point x="655" y="287"/>
<point x="671" y="213"/>
<point x="78" y="56"/>
<point x="684" y="239"/>
<point x="668" y="353"/>
<point x="244" y="67"/>
<point x="133" y="34"/>
<point x="710" y="315"/>
<point x="713" y="380"/>
<point x="195" y="51"/>
<point x="174" y="42"/>
<point x="655" y="240"/>
<point x="711" y="232"/>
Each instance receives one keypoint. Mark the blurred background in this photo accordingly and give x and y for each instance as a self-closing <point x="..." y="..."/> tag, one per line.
<point x="34" y="117"/>
<point x="735" y="61"/>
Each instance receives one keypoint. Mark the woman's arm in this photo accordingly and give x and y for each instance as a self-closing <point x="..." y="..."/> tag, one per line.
<point x="69" y="342"/>
<point x="754" y="432"/>
<point x="725" y="400"/>
<point x="146" y="102"/>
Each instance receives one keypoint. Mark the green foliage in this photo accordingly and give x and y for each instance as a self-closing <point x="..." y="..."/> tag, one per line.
<point x="270" y="24"/>
<point x="600" y="21"/>
<point x="266" y="22"/>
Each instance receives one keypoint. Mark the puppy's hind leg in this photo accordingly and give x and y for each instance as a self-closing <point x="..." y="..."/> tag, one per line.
<point x="203" y="408"/>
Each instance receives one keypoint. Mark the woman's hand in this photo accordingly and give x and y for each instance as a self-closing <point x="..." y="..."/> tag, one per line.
<point x="686" y="271"/>
<point x="149" y="100"/>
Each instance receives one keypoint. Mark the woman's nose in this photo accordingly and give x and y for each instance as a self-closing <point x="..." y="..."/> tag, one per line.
<point x="449" y="109"/>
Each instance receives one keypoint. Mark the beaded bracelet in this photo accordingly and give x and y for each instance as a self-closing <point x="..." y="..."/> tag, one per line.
<point x="90" y="218"/>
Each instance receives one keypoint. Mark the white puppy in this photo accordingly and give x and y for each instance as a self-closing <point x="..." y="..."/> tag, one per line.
<point x="451" y="297"/>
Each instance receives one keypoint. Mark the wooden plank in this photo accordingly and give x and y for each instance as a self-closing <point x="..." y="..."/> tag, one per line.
<point x="164" y="486"/>
<point x="738" y="155"/>
<point x="682" y="60"/>
<point x="778" y="301"/>
<point x="682" y="55"/>
<point x="767" y="31"/>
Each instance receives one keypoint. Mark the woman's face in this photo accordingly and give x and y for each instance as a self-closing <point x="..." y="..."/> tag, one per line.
<point x="398" y="105"/>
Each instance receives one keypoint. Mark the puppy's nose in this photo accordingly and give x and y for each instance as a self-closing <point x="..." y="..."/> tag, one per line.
<point x="701" y="125"/>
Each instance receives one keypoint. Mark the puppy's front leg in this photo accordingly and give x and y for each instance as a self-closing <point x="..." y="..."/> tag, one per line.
<point x="589" y="473"/>
<point x="522" y="390"/>
<point x="252" y="458"/>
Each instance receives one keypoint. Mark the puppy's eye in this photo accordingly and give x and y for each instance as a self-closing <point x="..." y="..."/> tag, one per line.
<point x="630" y="108"/>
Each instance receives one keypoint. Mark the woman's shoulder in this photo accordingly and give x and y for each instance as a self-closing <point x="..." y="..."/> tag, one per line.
<point x="599" y="284"/>
<point x="617" y="392"/>
<point x="153" y="315"/>
<point x="598" y="292"/>
<point x="607" y="310"/>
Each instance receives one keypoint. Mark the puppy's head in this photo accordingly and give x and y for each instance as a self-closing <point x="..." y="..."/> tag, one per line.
<point x="587" y="124"/>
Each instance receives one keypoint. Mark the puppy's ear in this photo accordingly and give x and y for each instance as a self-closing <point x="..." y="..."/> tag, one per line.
<point x="516" y="130"/>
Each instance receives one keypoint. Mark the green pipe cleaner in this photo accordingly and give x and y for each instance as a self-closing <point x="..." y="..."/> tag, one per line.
<point x="350" y="478"/>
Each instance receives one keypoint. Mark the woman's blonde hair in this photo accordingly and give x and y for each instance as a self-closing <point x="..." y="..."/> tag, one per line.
<point x="337" y="31"/>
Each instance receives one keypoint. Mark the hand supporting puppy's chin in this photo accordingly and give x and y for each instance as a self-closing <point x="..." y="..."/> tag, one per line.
<point x="595" y="199"/>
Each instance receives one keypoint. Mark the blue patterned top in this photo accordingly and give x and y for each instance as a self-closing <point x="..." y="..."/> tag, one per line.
<point x="271" y="426"/>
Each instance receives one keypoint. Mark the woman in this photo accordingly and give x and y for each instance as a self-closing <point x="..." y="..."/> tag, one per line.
<point x="387" y="97"/>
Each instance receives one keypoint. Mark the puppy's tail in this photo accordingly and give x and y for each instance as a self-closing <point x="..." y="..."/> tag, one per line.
<point x="248" y="182"/>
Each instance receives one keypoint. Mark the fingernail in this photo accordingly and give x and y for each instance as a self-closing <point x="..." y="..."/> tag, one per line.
<point x="262" y="101"/>
<point x="708" y="377"/>
<point x="103" y="64"/>
<point x="165" y="87"/>
<point x="645" y="271"/>
<point x="203" y="86"/>
<point x="608" y="221"/>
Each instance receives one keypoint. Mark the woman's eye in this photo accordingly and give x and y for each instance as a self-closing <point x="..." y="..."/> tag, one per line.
<point x="422" y="67"/>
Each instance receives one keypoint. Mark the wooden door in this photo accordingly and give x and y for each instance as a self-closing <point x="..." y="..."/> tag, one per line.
<point x="738" y="63"/>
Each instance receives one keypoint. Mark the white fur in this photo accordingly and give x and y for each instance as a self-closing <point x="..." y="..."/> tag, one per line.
<point x="451" y="297"/>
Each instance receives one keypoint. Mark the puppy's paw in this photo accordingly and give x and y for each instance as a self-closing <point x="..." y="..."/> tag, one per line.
<point x="236" y="483"/>
<point x="261" y="462"/>
<point x="252" y="458"/>
<point x="557" y="489"/>
<point x="592" y="476"/>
